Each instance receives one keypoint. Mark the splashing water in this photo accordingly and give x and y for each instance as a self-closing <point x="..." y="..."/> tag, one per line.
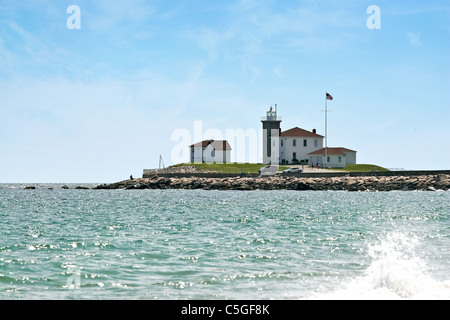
<point x="395" y="272"/>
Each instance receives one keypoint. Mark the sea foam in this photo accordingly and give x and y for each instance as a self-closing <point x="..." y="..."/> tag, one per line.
<point x="395" y="272"/>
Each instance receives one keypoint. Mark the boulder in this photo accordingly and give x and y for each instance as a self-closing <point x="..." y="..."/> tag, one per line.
<point x="380" y="183"/>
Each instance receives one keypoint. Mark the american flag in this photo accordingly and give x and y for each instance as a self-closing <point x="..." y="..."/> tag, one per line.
<point x="329" y="97"/>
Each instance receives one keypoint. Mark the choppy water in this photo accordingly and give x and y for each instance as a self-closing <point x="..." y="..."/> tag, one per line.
<point x="195" y="244"/>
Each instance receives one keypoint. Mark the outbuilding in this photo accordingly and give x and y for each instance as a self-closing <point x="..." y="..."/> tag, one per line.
<point x="210" y="151"/>
<point x="332" y="157"/>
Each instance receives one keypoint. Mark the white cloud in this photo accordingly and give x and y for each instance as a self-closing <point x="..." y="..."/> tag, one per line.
<point x="414" y="38"/>
<point x="119" y="21"/>
<point x="278" y="71"/>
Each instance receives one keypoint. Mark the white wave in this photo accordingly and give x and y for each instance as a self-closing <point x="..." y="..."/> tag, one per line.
<point x="394" y="273"/>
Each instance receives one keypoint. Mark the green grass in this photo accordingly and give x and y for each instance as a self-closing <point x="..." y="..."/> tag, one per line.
<point x="254" y="167"/>
<point x="362" y="168"/>
<point x="228" y="167"/>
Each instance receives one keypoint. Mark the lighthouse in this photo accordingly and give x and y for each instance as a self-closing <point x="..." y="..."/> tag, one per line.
<point x="271" y="124"/>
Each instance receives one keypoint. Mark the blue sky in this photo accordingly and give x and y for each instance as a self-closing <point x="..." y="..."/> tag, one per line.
<point x="99" y="103"/>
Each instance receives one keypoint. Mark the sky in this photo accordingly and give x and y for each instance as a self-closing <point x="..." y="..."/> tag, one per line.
<point x="99" y="94"/>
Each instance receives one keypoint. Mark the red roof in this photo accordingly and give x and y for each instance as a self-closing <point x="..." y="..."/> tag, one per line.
<point x="299" y="132"/>
<point x="339" y="151"/>
<point x="216" y="144"/>
<point x="202" y="144"/>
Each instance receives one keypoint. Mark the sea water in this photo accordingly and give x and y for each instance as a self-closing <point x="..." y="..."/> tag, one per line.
<point x="196" y="244"/>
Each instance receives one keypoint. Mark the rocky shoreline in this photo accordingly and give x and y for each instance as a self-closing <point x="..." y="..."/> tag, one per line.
<point x="368" y="183"/>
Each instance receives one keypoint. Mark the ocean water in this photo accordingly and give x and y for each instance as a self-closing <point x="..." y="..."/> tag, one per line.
<point x="196" y="244"/>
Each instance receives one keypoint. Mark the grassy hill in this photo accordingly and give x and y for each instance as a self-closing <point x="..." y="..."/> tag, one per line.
<point x="228" y="167"/>
<point x="254" y="167"/>
<point x="362" y="168"/>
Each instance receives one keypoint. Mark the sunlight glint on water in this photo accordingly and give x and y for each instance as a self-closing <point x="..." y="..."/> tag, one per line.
<point x="195" y="244"/>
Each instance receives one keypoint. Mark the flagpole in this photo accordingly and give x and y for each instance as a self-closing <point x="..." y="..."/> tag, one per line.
<point x="326" y="133"/>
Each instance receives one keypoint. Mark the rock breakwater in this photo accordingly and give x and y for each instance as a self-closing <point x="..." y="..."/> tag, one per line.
<point x="370" y="183"/>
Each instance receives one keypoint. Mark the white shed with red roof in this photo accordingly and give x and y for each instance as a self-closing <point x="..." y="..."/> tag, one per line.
<point x="334" y="157"/>
<point x="210" y="151"/>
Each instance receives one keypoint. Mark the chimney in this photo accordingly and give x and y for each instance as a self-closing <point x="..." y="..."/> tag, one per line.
<point x="314" y="131"/>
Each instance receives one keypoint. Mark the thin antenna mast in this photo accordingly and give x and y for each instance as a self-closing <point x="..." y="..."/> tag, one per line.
<point x="326" y="132"/>
<point x="161" y="162"/>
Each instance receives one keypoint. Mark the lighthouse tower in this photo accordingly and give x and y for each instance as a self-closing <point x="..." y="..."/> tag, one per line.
<point x="271" y="137"/>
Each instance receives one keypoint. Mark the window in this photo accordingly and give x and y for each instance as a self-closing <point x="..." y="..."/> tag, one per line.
<point x="315" y="142"/>
<point x="294" y="155"/>
<point x="305" y="143"/>
<point x="294" y="143"/>
<point x="340" y="159"/>
<point x="281" y="142"/>
<point x="328" y="159"/>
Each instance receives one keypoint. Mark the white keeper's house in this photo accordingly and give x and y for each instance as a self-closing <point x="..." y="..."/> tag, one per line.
<point x="300" y="146"/>
<point x="297" y="143"/>
<point x="210" y="151"/>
